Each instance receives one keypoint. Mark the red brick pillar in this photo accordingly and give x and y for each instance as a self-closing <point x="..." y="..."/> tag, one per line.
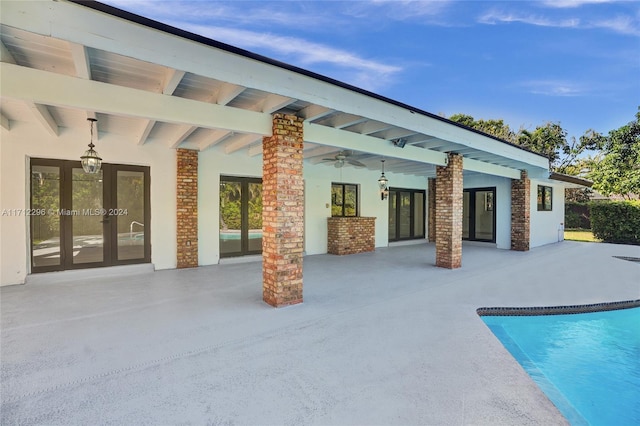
<point x="282" y="212"/>
<point x="520" y="212"/>
<point x="432" y="210"/>
<point x="449" y="213"/>
<point x="187" y="208"/>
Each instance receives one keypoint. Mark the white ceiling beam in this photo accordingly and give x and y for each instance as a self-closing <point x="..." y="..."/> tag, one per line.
<point x="354" y="141"/>
<point x="4" y="122"/>
<point x="215" y="138"/>
<point x="5" y="55"/>
<point x="397" y="133"/>
<point x="341" y="121"/>
<point x="241" y="141"/>
<point x="274" y="102"/>
<point x="81" y="60"/>
<point x="314" y="112"/>
<point x="60" y="90"/>
<point x="369" y="127"/>
<point x="182" y="134"/>
<point x="255" y="150"/>
<point x="491" y="169"/>
<point x="171" y="80"/>
<point x="79" y="24"/>
<point x="228" y="92"/>
<point x="42" y="115"/>
<point x="317" y="152"/>
<point x="146" y="129"/>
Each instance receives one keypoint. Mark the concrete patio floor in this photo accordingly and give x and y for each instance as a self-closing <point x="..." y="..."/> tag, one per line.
<point x="381" y="338"/>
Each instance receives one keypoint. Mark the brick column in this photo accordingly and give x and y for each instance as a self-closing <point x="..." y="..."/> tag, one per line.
<point x="431" y="230"/>
<point x="520" y="212"/>
<point x="187" y="208"/>
<point x="282" y="212"/>
<point x="449" y="213"/>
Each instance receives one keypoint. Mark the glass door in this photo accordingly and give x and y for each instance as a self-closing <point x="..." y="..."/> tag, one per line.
<point x="479" y="220"/>
<point x="406" y="214"/>
<point x="88" y="220"/>
<point x="240" y="216"/>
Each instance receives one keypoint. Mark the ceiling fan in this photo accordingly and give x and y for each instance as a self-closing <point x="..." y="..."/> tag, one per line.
<point x="343" y="157"/>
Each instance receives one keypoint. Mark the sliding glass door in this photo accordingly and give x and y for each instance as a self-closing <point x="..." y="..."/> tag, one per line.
<point x="478" y="215"/>
<point x="81" y="220"/>
<point x="406" y="214"/>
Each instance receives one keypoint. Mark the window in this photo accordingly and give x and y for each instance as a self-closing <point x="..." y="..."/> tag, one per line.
<point x="344" y="199"/>
<point x="545" y="197"/>
<point x="478" y="217"/>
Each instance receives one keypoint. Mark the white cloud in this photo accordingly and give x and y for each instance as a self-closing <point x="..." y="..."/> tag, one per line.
<point x="572" y="3"/>
<point x="553" y="88"/>
<point x="359" y="71"/>
<point x="494" y="17"/>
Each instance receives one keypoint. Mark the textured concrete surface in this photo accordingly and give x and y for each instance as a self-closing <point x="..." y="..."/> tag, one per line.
<point x="381" y="338"/>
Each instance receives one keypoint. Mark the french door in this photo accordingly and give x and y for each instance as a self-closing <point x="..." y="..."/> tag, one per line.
<point x="81" y="220"/>
<point x="240" y="216"/>
<point x="478" y="215"/>
<point x="406" y="214"/>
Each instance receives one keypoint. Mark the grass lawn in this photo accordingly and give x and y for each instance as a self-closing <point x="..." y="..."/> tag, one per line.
<point x="580" y="235"/>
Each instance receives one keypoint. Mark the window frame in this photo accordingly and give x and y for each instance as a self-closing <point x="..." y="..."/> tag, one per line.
<point x="343" y="186"/>
<point x="543" y="191"/>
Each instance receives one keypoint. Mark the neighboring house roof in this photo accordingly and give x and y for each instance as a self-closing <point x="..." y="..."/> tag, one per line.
<point x="152" y="82"/>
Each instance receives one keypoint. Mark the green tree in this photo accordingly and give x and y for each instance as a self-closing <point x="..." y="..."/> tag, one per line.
<point x="616" y="170"/>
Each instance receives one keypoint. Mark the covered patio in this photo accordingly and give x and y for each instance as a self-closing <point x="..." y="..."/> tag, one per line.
<point x="381" y="338"/>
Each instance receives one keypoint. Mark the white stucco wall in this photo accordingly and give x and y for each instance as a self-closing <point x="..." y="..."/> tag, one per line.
<point x="25" y="140"/>
<point x="546" y="225"/>
<point x="213" y="163"/>
<point x="502" y="204"/>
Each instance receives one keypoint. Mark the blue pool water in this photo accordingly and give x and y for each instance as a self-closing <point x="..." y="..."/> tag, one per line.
<point x="587" y="364"/>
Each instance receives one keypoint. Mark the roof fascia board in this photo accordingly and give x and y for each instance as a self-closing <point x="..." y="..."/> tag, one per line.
<point x="79" y="24"/>
<point x="48" y="88"/>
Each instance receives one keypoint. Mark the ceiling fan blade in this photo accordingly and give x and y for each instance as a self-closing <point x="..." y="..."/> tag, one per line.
<point x="328" y="159"/>
<point x="356" y="163"/>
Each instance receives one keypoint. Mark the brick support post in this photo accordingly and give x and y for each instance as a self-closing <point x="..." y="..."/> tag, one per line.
<point x="350" y="235"/>
<point x="187" y="208"/>
<point x="520" y="212"/>
<point x="431" y="230"/>
<point x="282" y="212"/>
<point x="449" y="213"/>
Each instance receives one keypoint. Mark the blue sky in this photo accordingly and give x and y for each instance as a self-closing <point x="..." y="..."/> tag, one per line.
<point x="576" y="62"/>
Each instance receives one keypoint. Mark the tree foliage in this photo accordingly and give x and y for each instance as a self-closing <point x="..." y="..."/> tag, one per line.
<point x="616" y="169"/>
<point x="549" y="139"/>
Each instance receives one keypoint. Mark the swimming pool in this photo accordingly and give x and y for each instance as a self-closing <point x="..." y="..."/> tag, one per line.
<point x="588" y="364"/>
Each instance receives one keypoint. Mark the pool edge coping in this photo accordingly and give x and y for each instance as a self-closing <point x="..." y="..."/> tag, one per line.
<point x="557" y="310"/>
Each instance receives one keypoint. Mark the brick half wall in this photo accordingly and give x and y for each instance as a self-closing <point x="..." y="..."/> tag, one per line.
<point x="350" y="235"/>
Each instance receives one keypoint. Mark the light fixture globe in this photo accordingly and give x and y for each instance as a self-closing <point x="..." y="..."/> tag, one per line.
<point x="91" y="161"/>
<point x="382" y="184"/>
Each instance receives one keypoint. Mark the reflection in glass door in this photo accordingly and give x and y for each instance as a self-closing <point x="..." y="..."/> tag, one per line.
<point x="85" y="216"/>
<point x="129" y="214"/>
<point x="45" y="224"/>
<point x="479" y="220"/>
<point x="240" y="216"/>
<point x="88" y="220"/>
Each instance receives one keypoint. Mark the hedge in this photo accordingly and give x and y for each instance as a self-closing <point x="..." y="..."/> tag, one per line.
<point x="616" y="221"/>
<point x="576" y="215"/>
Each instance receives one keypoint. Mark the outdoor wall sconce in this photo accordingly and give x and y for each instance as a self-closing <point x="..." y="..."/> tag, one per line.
<point x="399" y="143"/>
<point x="382" y="184"/>
<point x="91" y="161"/>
